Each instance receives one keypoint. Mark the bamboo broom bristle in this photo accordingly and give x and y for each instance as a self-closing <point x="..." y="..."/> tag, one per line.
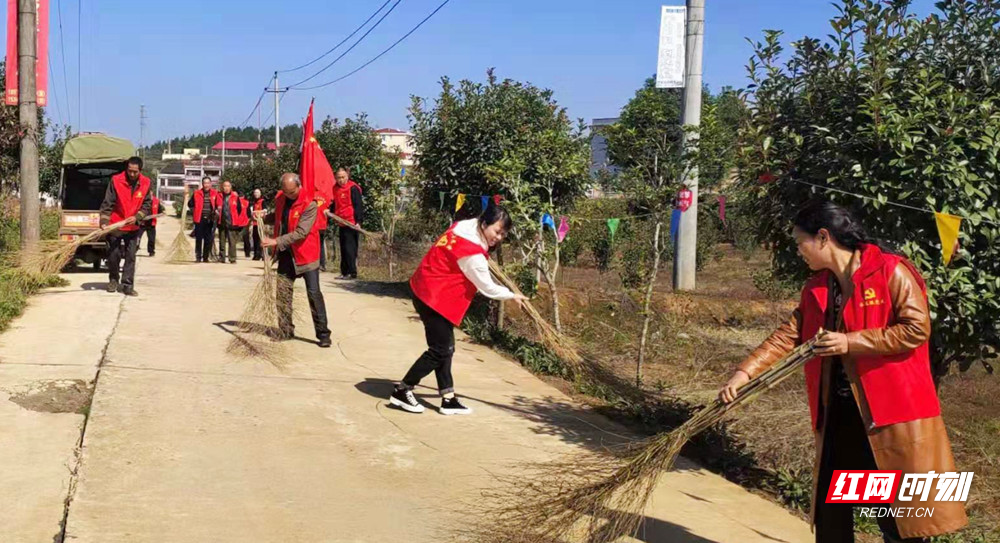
<point x="597" y="499"/>
<point x="40" y="262"/>
<point x="180" y="249"/>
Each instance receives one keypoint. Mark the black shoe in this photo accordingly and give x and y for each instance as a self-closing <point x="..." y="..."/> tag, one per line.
<point x="113" y="286"/>
<point x="404" y="399"/>
<point x="152" y="253"/>
<point x="232" y="262"/>
<point x="451" y="406"/>
<point x="129" y="291"/>
<point x="325" y="343"/>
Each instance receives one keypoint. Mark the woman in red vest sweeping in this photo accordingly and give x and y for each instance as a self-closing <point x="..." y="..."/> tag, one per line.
<point x="871" y="394"/>
<point x="443" y="286"/>
<point x="127" y="198"/>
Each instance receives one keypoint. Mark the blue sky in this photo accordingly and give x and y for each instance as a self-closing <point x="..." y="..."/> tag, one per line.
<point x="200" y="65"/>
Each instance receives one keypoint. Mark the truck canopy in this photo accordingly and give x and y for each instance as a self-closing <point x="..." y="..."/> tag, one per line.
<point x="96" y="149"/>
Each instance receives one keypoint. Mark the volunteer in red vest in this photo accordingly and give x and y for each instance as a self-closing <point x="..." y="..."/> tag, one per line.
<point x="203" y="204"/>
<point x="245" y="225"/>
<point x="297" y="244"/>
<point x="256" y="205"/>
<point x="149" y="227"/>
<point x="228" y="215"/>
<point x="348" y="205"/>
<point x="127" y="198"/>
<point x="871" y="395"/>
<point x="443" y="286"/>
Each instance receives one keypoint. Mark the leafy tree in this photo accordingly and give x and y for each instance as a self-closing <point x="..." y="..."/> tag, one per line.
<point x="264" y="173"/>
<point x="509" y="138"/>
<point x="892" y="108"/>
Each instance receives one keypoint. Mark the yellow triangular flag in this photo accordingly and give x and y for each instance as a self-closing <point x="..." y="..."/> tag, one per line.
<point x="948" y="226"/>
<point x="460" y="201"/>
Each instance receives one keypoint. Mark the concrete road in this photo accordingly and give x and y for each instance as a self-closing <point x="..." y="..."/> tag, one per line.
<point x="185" y="443"/>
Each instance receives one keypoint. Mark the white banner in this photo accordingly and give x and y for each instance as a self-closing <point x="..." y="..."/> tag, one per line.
<point x="670" y="65"/>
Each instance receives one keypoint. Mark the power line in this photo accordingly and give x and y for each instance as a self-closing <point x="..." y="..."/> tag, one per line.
<point x="272" y="110"/>
<point x="254" y="110"/>
<point x="52" y="85"/>
<point x="351" y="48"/>
<point x="380" y="55"/>
<point x="62" y="54"/>
<point x="342" y="42"/>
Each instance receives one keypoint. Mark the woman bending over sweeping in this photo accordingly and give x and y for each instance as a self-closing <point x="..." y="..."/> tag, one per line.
<point x="443" y="286"/>
<point x="871" y="395"/>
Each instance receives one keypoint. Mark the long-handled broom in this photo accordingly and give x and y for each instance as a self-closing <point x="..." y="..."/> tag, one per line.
<point x="180" y="250"/>
<point x="600" y="499"/>
<point x="259" y="321"/>
<point x="52" y="262"/>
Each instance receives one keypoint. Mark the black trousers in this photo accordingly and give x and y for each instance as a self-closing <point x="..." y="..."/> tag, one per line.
<point x="317" y="306"/>
<point x="203" y="239"/>
<point x="258" y="250"/>
<point x="123" y="244"/>
<point x="245" y="232"/>
<point x="349" y="251"/>
<point x="228" y="236"/>
<point x="150" y="232"/>
<point x="440" y="335"/>
<point x="845" y="446"/>
<point x="323" y="234"/>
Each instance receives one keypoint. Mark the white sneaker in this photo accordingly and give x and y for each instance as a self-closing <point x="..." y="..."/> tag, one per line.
<point x="405" y="400"/>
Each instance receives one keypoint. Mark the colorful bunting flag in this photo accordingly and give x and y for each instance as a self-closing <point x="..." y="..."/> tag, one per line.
<point x="613" y="227"/>
<point x="548" y="221"/>
<point x="563" y="228"/>
<point x="497" y="199"/>
<point x="460" y="201"/>
<point x="485" y="201"/>
<point x="948" y="227"/>
<point x="722" y="209"/>
<point x="675" y="225"/>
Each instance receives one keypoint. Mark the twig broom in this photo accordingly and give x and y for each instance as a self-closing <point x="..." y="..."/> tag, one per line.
<point x="600" y="499"/>
<point x="180" y="250"/>
<point x="52" y="262"/>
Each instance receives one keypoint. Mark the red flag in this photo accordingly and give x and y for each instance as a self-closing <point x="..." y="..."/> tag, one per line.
<point x="315" y="171"/>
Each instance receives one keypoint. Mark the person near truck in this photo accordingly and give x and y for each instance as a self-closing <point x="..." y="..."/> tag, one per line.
<point x="256" y="204"/>
<point x="348" y="205"/>
<point x="203" y="205"/>
<point x="297" y="244"/>
<point x="228" y="215"/>
<point x="126" y="199"/>
<point x="149" y="228"/>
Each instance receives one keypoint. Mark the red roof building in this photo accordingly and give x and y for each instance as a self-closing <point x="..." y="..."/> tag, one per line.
<point x="244" y="146"/>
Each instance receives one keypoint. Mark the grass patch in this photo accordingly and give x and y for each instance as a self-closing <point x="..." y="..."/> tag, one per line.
<point x="15" y="288"/>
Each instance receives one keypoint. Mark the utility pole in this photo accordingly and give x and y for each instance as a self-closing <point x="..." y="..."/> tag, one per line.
<point x="685" y="253"/>
<point x="277" y="115"/>
<point x="27" y="27"/>
<point x="223" y="152"/>
<point x="142" y="131"/>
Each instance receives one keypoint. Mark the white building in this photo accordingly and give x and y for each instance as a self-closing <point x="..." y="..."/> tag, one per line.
<point x="188" y="154"/>
<point x="170" y="182"/>
<point x="400" y="142"/>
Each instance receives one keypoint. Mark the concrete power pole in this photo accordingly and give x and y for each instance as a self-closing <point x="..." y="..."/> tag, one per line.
<point x="223" y="153"/>
<point x="277" y="115"/>
<point x="28" y="113"/>
<point x="685" y="253"/>
<point x="142" y="130"/>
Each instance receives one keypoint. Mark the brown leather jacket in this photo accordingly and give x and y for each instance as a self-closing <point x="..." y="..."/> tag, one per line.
<point x="914" y="447"/>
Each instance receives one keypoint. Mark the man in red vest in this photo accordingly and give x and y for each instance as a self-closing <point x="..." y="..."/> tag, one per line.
<point x="256" y="204"/>
<point x="149" y="228"/>
<point x="297" y="244"/>
<point x="127" y="199"/>
<point x="228" y="216"/>
<point x="348" y="205"/>
<point x="203" y="205"/>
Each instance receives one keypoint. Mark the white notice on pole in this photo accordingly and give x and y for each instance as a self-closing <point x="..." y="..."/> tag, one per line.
<point x="670" y="65"/>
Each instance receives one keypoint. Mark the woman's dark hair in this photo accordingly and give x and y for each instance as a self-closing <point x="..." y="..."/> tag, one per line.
<point x="493" y="214"/>
<point x="839" y="221"/>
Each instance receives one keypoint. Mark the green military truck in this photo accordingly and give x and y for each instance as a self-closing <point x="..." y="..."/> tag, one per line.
<point x="88" y="163"/>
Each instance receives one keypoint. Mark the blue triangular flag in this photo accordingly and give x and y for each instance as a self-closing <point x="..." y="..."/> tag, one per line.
<point x="547" y="220"/>
<point x="675" y="225"/>
<point x="485" y="201"/>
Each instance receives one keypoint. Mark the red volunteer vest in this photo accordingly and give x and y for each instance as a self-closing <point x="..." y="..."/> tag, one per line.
<point x="155" y="210"/>
<point x="898" y="388"/>
<point x="244" y="218"/>
<point x="232" y="199"/>
<point x="306" y="251"/>
<point x="128" y="201"/>
<point x="199" y="203"/>
<point x="342" y="196"/>
<point x="440" y="283"/>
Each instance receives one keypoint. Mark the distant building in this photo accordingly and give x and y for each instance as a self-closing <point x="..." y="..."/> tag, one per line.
<point x="398" y="141"/>
<point x="172" y="179"/>
<point x="188" y="154"/>
<point x="599" y="147"/>
<point x="243" y="148"/>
